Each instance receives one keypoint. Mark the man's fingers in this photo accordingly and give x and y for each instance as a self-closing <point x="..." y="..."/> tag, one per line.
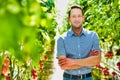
<point x="62" y="62"/>
<point x="94" y="53"/>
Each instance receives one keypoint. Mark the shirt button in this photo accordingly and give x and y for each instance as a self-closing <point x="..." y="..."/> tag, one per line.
<point x="78" y="46"/>
<point x="79" y="71"/>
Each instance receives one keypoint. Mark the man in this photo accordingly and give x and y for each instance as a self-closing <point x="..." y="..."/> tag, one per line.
<point x="77" y="49"/>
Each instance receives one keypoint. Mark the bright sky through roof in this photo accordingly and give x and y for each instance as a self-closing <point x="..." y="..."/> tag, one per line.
<point x="61" y="7"/>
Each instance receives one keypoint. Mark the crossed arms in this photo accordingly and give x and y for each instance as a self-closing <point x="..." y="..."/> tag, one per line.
<point x="69" y="64"/>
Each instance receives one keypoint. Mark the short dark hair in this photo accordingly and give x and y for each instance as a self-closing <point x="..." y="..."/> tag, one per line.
<point x="73" y="7"/>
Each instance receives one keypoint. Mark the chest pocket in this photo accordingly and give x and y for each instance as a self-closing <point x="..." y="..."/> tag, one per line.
<point x="85" y="48"/>
<point x="70" y="49"/>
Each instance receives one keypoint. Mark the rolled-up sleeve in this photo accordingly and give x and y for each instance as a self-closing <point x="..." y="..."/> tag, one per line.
<point x="96" y="44"/>
<point x="60" y="47"/>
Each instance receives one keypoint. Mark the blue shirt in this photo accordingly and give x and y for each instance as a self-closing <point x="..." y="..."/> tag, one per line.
<point x="76" y="47"/>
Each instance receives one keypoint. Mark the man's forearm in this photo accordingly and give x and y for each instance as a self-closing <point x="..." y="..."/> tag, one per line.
<point x="69" y="64"/>
<point x="68" y="67"/>
<point x="79" y="63"/>
<point x="71" y="67"/>
<point x="89" y="61"/>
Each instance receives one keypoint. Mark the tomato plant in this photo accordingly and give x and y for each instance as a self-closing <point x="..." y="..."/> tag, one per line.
<point x="26" y="37"/>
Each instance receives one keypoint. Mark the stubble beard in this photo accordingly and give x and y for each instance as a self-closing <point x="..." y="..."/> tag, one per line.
<point x="77" y="27"/>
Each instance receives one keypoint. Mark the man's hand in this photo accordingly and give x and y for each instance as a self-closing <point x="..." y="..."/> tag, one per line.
<point x="66" y="62"/>
<point x="94" y="53"/>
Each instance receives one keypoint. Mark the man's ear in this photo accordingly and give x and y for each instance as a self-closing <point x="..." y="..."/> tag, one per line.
<point x="68" y="19"/>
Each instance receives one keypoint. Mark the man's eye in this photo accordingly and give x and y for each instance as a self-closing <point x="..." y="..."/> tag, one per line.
<point x="79" y="16"/>
<point x="73" y="16"/>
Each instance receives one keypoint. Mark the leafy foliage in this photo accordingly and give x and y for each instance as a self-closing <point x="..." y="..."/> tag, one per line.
<point x="26" y="32"/>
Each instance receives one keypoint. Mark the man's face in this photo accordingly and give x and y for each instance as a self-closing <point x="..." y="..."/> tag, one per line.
<point x="76" y="18"/>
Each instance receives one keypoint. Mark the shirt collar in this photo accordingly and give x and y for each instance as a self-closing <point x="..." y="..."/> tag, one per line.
<point x="71" y="33"/>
